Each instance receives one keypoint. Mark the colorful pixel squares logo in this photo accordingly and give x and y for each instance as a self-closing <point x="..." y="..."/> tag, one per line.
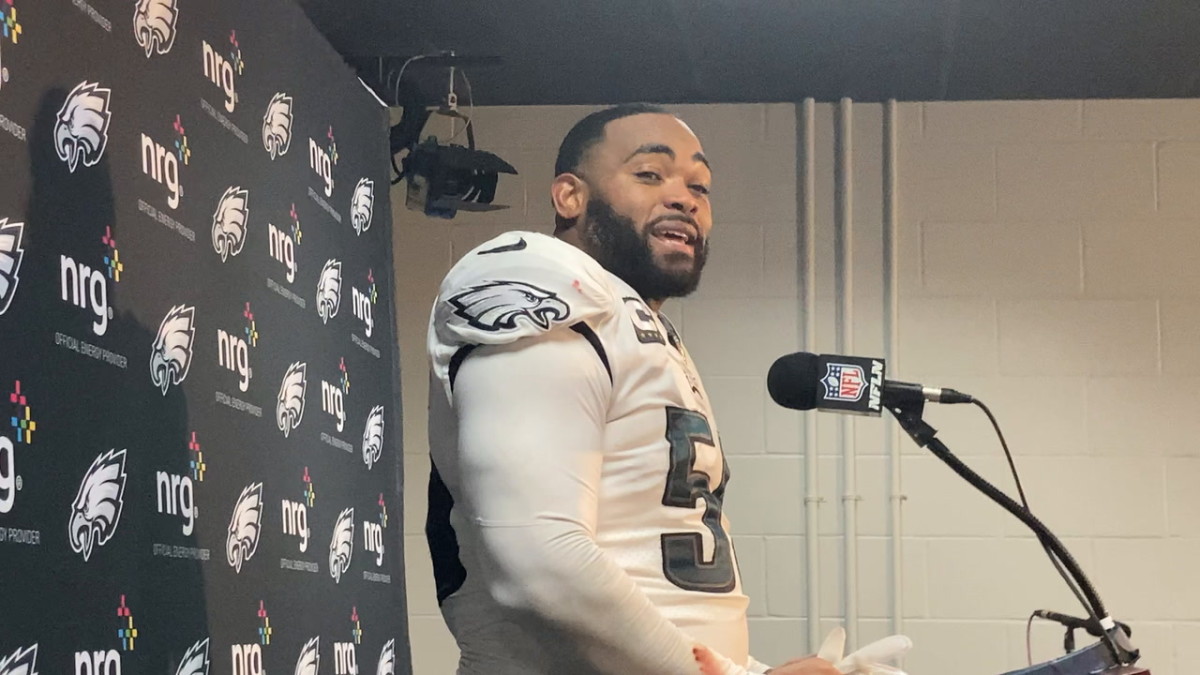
<point x="251" y="327"/>
<point x="310" y="493"/>
<point x="265" y="630"/>
<point x="112" y="257"/>
<point x="182" y="149"/>
<point x="345" y="381"/>
<point x="127" y="632"/>
<point x="357" y="630"/>
<point x="296" y="233"/>
<point x="21" y="419"/>
<point x="10" y="31"/>
<point x="235" y="53"/>
<point x="382" y="511"/>
<point x="331" y="149"/>
<point x="196" y="463"/>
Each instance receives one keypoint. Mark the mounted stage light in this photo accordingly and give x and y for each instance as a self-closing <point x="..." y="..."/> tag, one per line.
<point x="443" y="178"/>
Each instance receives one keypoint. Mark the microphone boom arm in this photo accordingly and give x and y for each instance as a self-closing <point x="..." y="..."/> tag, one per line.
<point x="909" y="415"/>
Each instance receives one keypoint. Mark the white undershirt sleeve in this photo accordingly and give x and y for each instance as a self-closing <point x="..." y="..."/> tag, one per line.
<point x="757" y="667"/>
<point x="531" y="418"/>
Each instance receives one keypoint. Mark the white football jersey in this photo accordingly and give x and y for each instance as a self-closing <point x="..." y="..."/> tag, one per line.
<point x="656" y="510"/>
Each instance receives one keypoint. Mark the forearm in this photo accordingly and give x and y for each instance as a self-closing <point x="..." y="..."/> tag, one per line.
<point x="555" y="571"/>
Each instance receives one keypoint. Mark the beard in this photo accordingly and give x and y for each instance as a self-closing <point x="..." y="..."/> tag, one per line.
<point x="615" y="243"/>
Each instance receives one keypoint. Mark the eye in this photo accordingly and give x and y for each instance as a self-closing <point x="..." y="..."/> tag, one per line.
<point x="648" y="175"/>
<point x="701" y="189"/>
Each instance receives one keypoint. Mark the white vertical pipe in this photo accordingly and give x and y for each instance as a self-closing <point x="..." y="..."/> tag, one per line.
<point x="891" y="313"/>
<point x="807" y="273"/>
<point x="844" y="227"/>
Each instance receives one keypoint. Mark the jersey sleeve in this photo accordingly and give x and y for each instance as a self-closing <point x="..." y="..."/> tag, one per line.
<point x="531" y="416"/>
<point x="518" y="285"/>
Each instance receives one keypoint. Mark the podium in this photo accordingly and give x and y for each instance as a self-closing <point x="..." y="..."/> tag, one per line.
<point x="1094" y="659"/>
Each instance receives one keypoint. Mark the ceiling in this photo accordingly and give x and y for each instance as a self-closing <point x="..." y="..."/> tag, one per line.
<point x="705" y="51"/>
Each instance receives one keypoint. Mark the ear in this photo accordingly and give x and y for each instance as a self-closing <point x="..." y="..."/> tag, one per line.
<point x="569" y="193"/>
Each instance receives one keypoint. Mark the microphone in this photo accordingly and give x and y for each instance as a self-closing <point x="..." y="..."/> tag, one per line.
<point x="845" y="384"/>
<point x="1073" y="622"/>
<point x="1068" y="621"/>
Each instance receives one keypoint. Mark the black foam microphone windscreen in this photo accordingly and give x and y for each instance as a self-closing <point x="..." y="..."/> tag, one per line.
<point x="792" y="381"/>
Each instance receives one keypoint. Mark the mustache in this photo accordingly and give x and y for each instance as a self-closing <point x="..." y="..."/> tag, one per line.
<point x="679" y="217"/>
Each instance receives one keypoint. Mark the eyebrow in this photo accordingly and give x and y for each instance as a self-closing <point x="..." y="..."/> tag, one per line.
<point x="658" y="148"/>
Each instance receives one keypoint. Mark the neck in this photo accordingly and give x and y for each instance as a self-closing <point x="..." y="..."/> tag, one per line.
<point x="571" y="236"/>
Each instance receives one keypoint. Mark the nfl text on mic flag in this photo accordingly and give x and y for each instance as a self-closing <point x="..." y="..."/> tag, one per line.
<point x="845" y="384"/>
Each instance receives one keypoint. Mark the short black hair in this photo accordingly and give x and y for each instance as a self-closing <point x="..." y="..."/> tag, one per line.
<point x="590" y="131"/>
<point x="586" y="133"/>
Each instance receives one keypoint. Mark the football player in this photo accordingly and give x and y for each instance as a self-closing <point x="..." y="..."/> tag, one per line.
<point x="575" y="516"/>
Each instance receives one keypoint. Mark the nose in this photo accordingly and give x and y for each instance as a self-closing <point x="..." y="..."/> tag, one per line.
<point x="680" y="198"/>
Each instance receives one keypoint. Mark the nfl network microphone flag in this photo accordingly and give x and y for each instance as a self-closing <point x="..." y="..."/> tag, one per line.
<point x="850" y="384"/>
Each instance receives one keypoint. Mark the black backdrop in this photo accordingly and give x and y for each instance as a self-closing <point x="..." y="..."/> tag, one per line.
<point x="199" y="426"/>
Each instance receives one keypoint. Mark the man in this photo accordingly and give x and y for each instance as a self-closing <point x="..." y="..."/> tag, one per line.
<point x="575" y="500"/>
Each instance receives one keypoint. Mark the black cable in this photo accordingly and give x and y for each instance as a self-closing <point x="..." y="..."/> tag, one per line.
<point x="1058" y="566"/>
<point x="1004" y="444"/>
<point x="926" y="437"/>
<point x="399" y="174"/>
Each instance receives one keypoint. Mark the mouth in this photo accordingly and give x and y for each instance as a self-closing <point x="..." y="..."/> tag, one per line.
<point x="676" y="235"/>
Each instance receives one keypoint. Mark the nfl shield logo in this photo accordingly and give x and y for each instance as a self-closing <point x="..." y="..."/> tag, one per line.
<point x="843" y="382"/>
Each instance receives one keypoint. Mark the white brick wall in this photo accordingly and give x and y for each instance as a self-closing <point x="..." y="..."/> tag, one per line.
<point x="1046" y="264"/>
<point x="1060" y="289"/>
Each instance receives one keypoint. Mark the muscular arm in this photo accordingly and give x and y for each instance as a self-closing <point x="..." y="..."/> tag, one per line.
<point x="531" y="420"/>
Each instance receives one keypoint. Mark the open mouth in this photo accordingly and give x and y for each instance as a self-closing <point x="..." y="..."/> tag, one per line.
<point x="676" y="235"/>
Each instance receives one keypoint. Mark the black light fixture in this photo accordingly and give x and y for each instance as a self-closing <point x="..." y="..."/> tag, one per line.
<point x="443" y="178"/>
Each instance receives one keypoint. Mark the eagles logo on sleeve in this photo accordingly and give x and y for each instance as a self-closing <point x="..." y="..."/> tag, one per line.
<point x="244" y="527"/>
<point x="341" y="546"/>
<point x="11" y="254"/>
<point x="277" y="125"/>
<point x="387" y="659"/>
<point x="362" y="205"/>
<point x="310" y="657"/>
<point x="154" y="25"/>
<point x="499" y="305"/>
<point x="195" y="660"/>
<point x="98" y="504"/>
<point x="329" y="290"/>
<point x="372" y="443"/>
<point x="21" y="662"/>
<point x="229" y="222"/>
<point x="172" y="355"/>
<point x="81" y="126"/>
<point x="289" y="407"/>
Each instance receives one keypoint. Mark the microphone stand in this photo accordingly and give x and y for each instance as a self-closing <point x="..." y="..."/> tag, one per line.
<point x="909" y="414"/>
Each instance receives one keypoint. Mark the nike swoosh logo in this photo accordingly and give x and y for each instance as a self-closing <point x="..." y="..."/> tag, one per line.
<point x="518" y="246"/>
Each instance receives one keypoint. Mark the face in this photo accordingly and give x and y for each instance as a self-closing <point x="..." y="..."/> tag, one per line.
<point x="647" y="217"/>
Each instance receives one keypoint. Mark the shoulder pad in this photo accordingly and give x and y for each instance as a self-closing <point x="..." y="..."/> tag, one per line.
<point x="517" y="285"/>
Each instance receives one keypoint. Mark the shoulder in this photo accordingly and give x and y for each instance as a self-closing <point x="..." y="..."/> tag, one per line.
<point x="519" y="284"/>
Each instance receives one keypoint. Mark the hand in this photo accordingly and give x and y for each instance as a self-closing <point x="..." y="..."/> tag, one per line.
<point x="709" y="665"/>
<point x="809" y="665"/>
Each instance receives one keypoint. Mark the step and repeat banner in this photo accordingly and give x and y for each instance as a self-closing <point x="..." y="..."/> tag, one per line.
<point x="199" y="424"/>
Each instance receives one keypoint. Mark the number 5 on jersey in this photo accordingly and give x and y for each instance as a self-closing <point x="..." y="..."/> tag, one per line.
<point x="683" y="552"/>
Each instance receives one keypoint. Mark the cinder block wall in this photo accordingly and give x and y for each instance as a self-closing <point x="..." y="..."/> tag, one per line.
<point x="1045" y="257"/>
